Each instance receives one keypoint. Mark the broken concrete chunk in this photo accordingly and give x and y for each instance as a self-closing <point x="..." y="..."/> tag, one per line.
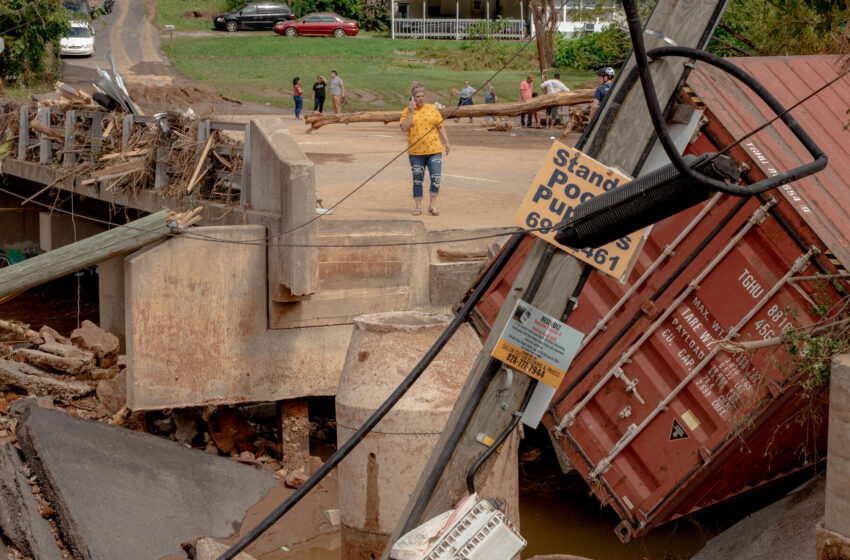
<point x="71" y="366"/>
<point x="112" y="393"/>
<point x="20" y="516"/>
<point x="205" y="548"/>
<point x="296" y="478"/>
<point x="18" y="406"/>
<point x="102" y="344"/>
<point x="65" y="350"/>
<point x="48" y="333"/>
<point x="39" y="383"/>
<point x="148" y="495"/>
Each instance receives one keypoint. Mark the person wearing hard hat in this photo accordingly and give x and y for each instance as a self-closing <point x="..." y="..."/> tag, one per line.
<point x="605" y="76"/>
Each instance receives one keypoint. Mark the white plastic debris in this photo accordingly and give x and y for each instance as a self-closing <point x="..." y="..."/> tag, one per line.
<point x="474" y="530"/>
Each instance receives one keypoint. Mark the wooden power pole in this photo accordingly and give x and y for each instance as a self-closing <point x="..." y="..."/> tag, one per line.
<point x="622" y="136"/>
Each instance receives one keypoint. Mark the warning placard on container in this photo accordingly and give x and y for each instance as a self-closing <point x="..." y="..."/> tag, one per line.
<point x="537" y="344"/>
<point x="566" y="179"/>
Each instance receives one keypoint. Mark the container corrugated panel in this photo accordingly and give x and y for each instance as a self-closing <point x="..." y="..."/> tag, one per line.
<point x="657" y="416"/>
<point x="654" y="413"/>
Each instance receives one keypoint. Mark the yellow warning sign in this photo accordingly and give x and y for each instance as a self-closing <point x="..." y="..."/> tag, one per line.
<point x="566" y="179"/>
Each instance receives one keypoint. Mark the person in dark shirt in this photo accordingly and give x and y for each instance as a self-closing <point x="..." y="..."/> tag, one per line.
<point x="319" y="93"/>
<point x="605" y="75"/>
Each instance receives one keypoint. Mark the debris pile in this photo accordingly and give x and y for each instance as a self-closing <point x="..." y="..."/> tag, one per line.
<point x="111" y="146"/>
<point x="78" y="385"/>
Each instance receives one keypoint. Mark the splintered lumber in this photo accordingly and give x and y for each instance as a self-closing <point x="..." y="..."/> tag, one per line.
<point x="70" y="258"/>
<point x="48" y="131"/>
<point x="516" y="108"/>
<point x="115" y="171"/>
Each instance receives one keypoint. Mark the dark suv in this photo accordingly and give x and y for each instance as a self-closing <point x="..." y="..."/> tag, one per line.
<point x="255" y="15"/>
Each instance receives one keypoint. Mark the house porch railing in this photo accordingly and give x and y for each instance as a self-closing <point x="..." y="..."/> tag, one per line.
<point x="455" y="28"/>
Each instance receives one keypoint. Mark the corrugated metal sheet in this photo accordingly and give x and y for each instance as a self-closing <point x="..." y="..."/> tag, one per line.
<point x="822" y="200"/>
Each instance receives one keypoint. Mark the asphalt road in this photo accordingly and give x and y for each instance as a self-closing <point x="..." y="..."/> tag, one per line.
<point x="135" y="46"/>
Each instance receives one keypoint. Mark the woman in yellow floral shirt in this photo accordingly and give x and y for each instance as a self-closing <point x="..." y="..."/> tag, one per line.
<point x="424" y="126"/>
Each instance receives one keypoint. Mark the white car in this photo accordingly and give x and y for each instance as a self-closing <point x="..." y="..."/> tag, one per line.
<point x="79" y="40"/>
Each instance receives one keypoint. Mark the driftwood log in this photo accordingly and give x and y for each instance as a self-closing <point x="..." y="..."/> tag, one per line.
<point x="318" y="120"/>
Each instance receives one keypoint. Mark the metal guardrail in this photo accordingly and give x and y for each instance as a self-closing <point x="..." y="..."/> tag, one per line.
<point x="49" y="151"/>
<point x="456" y="28"/>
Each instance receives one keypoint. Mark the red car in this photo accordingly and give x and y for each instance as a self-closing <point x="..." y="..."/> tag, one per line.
<point x="318" y="24"/>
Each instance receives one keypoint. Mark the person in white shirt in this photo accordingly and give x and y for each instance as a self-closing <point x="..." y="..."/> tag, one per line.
<point x="555" y="85"/>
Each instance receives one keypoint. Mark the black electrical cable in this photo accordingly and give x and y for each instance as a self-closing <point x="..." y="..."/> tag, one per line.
<point x="385" y="407"/>
<point x="636" y="33"/>
<point x="470" y="475"/>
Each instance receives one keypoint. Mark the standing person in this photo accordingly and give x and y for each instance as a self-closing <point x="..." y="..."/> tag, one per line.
<point x="555" y="85"/>
<point x="337" y="92"/>
<point x="605" y="76"/>
<point x="525" y="93"/>
<point x="319" y="93"/>
<point x="297" y="96"/>
<point x="466" y="95"/>
<point x="424" y="126"/>
<point x="489" y="97"/>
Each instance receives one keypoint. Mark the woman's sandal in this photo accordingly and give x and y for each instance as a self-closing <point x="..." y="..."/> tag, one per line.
<point x="433" y="212"/>
<point x="417" y="212"/>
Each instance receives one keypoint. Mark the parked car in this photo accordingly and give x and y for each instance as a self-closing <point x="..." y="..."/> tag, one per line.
<point x="318" y="24"/>
<point x="78" y="41"/>
<point x="255" y="15"/>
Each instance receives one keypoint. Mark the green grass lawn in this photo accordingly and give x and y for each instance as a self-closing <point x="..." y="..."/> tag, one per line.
<point x="170" y="12"/>
<point x="377" y="71"/>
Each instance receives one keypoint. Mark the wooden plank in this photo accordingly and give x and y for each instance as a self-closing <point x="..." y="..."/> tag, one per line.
<point x="197" y="174"/>
<point x="90" y="251"/>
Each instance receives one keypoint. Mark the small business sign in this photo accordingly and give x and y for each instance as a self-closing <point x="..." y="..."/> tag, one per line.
<point x="537" y="344"/>
<point x="566" y="179"/>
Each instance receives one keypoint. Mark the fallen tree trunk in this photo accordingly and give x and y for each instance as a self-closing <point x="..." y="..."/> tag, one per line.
<point x="318" y="120"/>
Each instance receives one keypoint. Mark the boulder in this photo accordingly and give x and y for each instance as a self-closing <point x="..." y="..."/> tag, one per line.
<point x="102" y="344"/>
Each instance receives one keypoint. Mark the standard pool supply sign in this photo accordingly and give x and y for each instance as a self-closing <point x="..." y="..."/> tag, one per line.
<point x="537" y="344"/>
<point x="566" y="179"/>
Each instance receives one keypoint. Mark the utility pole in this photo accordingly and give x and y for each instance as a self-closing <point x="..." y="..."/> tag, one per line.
<point x="620" y="136"/>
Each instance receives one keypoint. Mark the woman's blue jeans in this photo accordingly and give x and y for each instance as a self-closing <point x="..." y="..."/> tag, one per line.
<point x="298" y="103"/>
<point x="434" y="163"/>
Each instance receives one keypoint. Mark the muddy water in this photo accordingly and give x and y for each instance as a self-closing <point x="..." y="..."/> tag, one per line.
<point x="552" y="524"/>
<point x="570" y="523"/>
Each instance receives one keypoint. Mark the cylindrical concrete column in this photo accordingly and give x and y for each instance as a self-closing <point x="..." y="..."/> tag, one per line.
<point x="376" y="479"/>
<point x="837" y="508"/>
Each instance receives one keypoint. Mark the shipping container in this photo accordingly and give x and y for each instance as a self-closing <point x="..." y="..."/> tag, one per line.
<point x="659" y="414"/>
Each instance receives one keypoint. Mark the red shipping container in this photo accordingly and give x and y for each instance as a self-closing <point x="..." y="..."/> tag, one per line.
<point x="655" y="412"/>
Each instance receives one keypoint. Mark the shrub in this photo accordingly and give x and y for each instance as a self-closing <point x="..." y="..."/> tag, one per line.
<point x="374" y="15"/>
<point x="589" y="51"/>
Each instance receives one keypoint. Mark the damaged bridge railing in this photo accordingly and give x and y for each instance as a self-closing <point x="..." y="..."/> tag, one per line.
<point x="174" y="154"/>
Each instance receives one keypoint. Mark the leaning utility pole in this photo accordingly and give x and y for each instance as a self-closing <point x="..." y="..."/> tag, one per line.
<point x="621" y="135"/>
